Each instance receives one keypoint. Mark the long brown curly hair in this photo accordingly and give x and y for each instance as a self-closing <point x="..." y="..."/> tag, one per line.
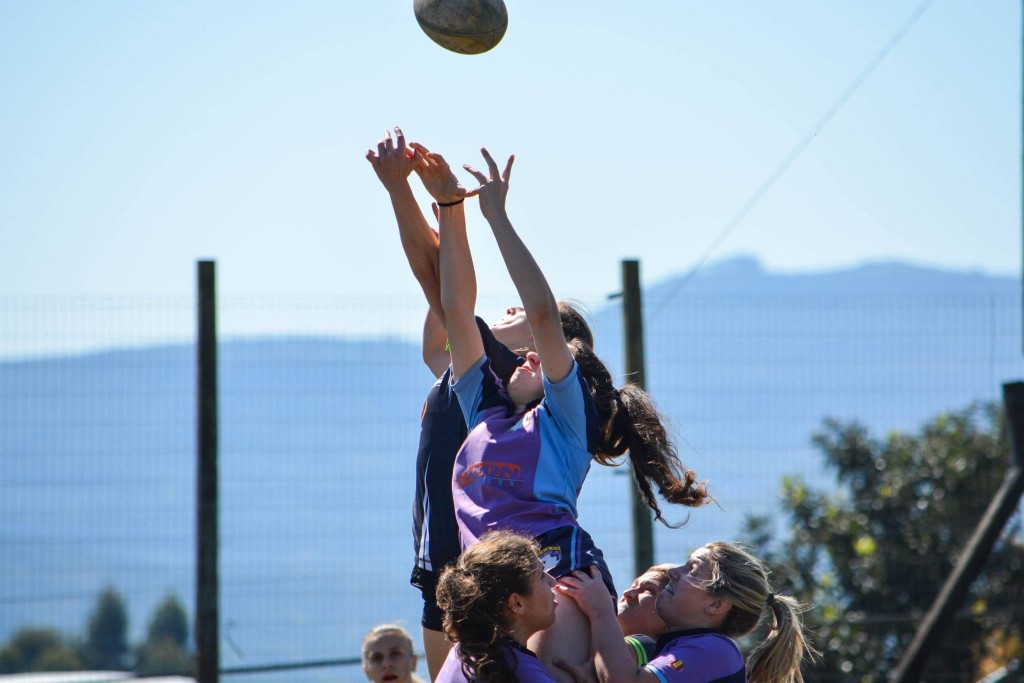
<point x="473" y="591"/>
<point x="630" y="422"/>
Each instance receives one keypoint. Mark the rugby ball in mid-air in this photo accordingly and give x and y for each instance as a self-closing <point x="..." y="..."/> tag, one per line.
<point x="469" y="27"/>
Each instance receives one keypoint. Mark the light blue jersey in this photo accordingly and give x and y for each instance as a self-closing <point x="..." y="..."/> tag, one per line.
<point x="524" y="471"/>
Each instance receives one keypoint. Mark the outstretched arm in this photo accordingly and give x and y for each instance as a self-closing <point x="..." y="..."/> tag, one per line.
<point x="458" y="277"/>
<point x="393" y="162"/>
<point x="539" y="302"/>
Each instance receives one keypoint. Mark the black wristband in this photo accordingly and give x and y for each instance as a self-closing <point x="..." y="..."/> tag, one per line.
<point x="447" y="204"/>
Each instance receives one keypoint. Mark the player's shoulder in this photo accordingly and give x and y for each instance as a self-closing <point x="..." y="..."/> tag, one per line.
<point x="704" y="640"/>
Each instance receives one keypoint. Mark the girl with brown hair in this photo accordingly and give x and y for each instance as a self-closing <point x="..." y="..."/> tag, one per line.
<point x="493" y="598"/>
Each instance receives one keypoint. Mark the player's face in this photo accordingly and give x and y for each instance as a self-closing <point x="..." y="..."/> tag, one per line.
<point x="513" y="330"/>
<point x="388" y="660"/>
<point x="684" y="601"/>
<point x="525" y="385"/>
<point x="637" y="608"/>
<point x="540" y="602"/>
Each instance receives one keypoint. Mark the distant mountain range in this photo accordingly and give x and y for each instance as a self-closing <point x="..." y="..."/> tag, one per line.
<point x="318" y="440"/>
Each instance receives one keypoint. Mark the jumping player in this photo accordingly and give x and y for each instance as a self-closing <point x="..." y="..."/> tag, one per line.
<point x="442" y="426"/>
<point x="532" y="438"/>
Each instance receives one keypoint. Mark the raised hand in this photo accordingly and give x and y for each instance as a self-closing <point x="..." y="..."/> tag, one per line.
<point x="493" y="187"/>
<point x="393" y="161"/>
<point x="437" y="176"/>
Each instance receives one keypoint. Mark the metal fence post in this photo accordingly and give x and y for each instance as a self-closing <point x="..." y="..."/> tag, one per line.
<point x="207" y="660"/>
<point x="643" y="532"/>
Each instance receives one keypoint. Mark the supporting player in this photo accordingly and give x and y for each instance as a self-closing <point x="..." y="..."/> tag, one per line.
<point x="721" y="593"/>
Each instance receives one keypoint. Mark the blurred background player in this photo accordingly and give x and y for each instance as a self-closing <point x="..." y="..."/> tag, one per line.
<point x="388" y="655"/>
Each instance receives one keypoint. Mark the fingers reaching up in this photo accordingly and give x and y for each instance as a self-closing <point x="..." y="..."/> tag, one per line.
<point x="494" y="186"/>
<point x="492" y="168"/>
<point x="437" y="176"/>
<point x="394" y="160"/>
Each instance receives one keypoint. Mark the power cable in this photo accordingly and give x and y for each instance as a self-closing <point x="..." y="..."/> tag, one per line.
<point x="797" y="150"/>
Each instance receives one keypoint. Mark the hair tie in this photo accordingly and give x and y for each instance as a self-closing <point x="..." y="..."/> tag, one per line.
<point x="770" y="600"/>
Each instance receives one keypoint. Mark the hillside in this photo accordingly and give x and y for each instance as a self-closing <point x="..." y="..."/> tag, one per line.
<point x="318" y="438"/>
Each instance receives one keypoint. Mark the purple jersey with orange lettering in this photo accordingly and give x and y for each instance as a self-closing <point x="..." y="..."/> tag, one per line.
<point x="523" y="471"/>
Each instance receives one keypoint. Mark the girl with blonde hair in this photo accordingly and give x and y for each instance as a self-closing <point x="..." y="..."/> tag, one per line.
<point x="388" y="655"/>
<point x="721" y="593"/>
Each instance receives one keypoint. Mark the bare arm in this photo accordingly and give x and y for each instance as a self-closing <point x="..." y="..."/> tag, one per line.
<point x="611" y="658"/>
<point x="539" y="302"/>
<point x="393" y="162"/>
<point x="435" y="339"/>
<point x="458" y="277"/>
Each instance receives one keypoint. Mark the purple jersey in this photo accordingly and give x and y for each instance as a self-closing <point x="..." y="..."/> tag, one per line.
<point x="697" y="656"/>
<point x="524" y="470"/>
<point x="524" y="663"/>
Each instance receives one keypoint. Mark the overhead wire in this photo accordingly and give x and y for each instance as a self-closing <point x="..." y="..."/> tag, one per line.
<point x="796" y="151"/>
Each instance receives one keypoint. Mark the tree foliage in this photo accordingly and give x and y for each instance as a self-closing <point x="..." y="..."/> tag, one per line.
<point x="870" y="557"/>
<point x="169" y="622"/>
<point x="163" y="658"/>
<point x="164" y="653"/>
<point x="37" y="649"/>
<point x="106" y="644"/>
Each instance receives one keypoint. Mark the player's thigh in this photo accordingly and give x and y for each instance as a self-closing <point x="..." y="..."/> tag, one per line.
<point x="568" y="639"/>
<point x="435" y="647"/>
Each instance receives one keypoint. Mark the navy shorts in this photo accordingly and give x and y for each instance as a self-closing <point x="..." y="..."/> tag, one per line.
<point x="426" y="581"/>
<point x="568" y="548"/>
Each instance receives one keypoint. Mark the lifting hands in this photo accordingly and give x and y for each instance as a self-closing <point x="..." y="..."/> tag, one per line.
<point x="437" y="176"/>
<point x="587" y="589"/>
<point x="494" y="188"/>
<point x="393" y="161"/>
<point x="445" y="188"/>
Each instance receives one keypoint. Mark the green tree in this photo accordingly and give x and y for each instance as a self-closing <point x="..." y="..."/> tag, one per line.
<point x="37" y="649"/>
<point x="163" y="658"/>
<point x="164" y="653"/>
<point x="169" y="622"/>
<point x="106" y="645"/>
<point x="871" y="556"/>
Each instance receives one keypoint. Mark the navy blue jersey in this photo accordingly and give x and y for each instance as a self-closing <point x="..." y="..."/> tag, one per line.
<point x="442" y="431"/>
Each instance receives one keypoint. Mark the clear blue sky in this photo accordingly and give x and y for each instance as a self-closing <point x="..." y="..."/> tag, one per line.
<point x="136" y="137"/>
